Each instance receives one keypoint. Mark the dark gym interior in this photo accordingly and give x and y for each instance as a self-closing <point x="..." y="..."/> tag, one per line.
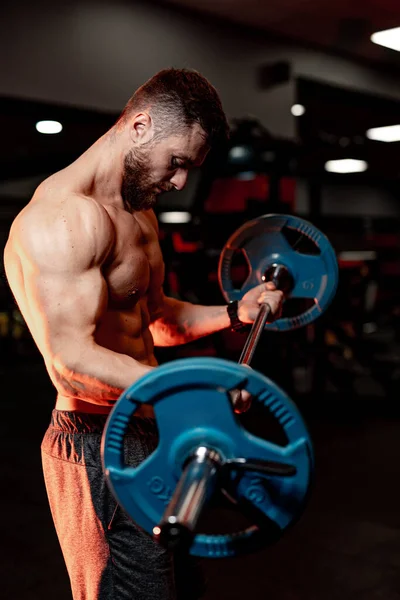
<point x="302" y="85"/>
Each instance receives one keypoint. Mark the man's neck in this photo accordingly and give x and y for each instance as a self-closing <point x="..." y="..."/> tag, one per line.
<point x="98" y="171"/>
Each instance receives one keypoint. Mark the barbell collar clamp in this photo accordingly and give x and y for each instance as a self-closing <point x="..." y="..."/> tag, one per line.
<point x="280" y="276"/>
<point x="272" y="468"/>
<point x="195" y="488"/>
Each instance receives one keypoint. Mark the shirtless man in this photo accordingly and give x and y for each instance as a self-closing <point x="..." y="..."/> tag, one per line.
<point x="84" y="264"/>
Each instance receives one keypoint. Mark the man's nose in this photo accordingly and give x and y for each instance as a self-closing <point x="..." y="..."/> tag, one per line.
<point x="179" y="179"/>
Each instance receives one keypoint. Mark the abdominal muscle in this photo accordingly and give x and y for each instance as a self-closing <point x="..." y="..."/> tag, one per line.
<point x="121" y="332"/>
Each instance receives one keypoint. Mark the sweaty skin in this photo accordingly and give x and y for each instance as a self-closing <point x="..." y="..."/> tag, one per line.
<point x="87" y="275"/>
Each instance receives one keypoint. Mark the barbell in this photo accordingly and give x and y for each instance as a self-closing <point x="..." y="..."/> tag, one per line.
<point x="204" y="449"/>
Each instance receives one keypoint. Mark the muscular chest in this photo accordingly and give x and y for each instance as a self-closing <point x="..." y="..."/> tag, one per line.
<point x="136" y="268"/>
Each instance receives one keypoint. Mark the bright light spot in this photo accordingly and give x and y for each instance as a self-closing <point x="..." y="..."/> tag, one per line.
<point x="172" y="520"/>
<point x="298" y="110"/>
<point x="360" y="255"/>
<point x="175" y="217"/>
<point x="48" y="127"/>
<point x="390" y="38"/>
<point x="238" y="152"/>
<point x="156" y="530"/>
<point x="346" y="165"/>
<point x="391" y="133"/>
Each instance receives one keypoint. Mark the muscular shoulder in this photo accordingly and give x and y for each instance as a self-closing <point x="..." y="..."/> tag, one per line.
<point x="76" y="227"/>
<point x="147" y="222"/>
<point x="152" y="219"/>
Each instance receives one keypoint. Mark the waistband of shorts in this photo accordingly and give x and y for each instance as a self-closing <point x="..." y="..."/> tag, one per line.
<point x="77" y="422"/>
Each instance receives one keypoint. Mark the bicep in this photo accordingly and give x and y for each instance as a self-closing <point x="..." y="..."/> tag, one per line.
<point x="65" y="308"/>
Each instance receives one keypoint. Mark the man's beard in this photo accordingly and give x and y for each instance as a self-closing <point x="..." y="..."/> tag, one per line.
<point x="137" y="191"/>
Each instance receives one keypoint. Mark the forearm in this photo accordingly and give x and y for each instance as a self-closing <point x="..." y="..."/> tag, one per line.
<point x="95" y="374"/>
<point x="184" y="322"/>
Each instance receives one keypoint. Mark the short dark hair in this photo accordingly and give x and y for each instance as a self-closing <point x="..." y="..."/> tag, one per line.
<point x="177" y="99"/>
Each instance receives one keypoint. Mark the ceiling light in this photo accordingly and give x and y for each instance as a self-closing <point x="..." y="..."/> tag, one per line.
<point x="239" y="153"/>
<point x="298" y="110"/>
<point x="175" y="217"/>
<point x="350" y="255"/>
<point x="390" y="38"/>
<point x="390" y="133"/>
<point x="346" y="165"/>
<point x="48" y="127"/>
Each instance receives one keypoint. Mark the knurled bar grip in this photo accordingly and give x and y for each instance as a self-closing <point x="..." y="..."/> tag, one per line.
<point x="255" y="334"/>
<point x="250" y="346"/>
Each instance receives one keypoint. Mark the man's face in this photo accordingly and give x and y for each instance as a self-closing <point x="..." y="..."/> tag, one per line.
<point x="161" y="167"/>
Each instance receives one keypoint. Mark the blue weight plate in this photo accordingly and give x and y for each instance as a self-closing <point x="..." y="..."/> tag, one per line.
<point x="192" y="406"/>
<point x="263" y="243"/>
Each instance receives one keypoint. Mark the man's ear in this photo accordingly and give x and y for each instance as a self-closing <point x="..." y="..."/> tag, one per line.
<point x="141" y="128"/>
